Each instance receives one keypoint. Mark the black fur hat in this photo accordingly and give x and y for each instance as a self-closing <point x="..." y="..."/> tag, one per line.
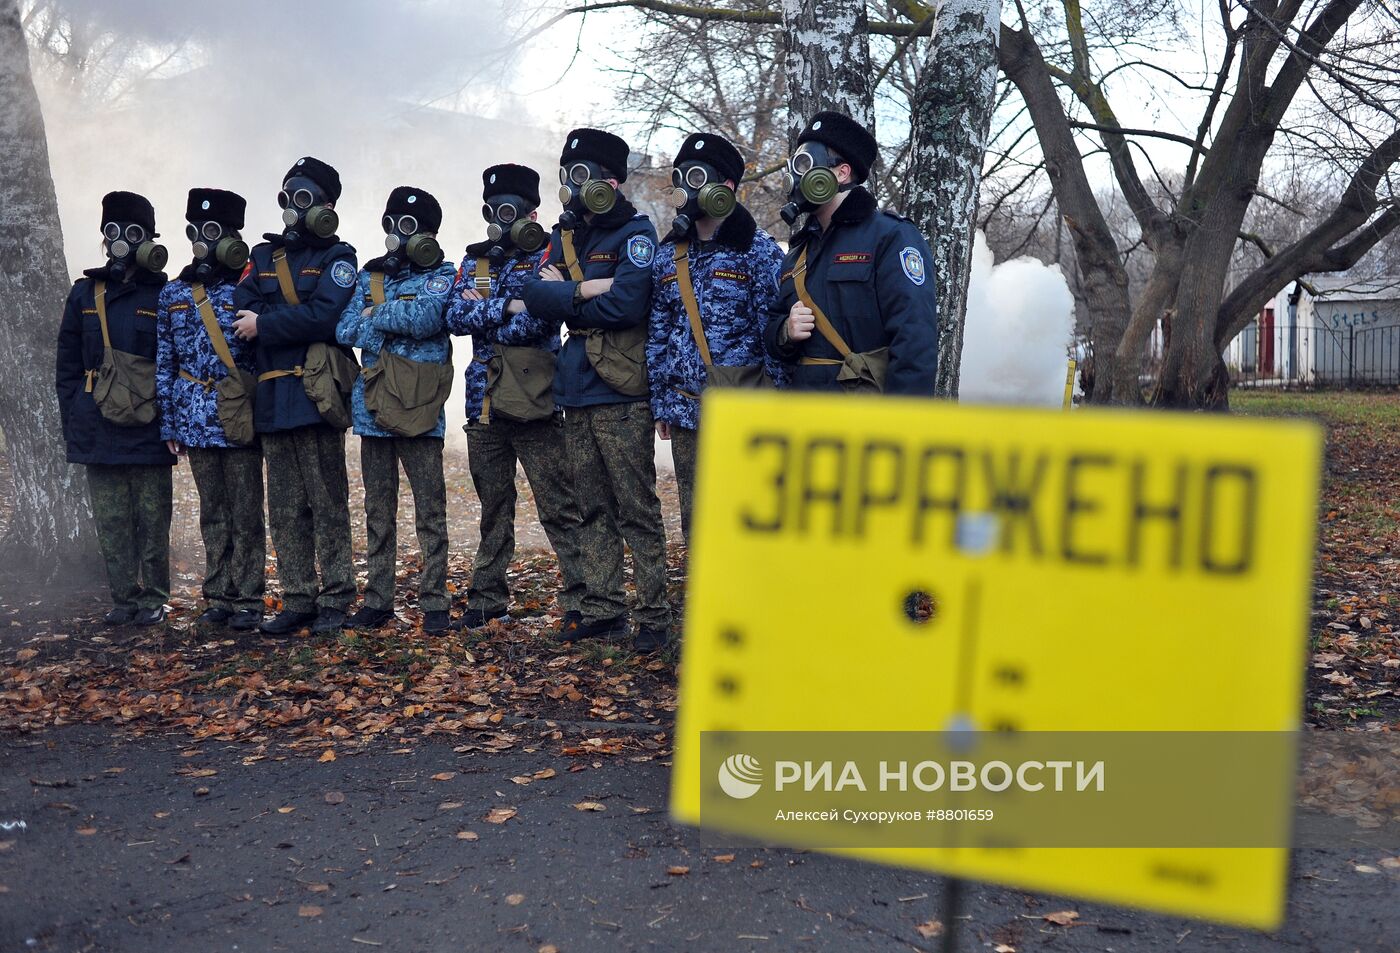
<point x="215" y="205"/>
<point x="319" y="172"/>
<point x="712" y="148"/>
<point x="509" y="179"/>
<point x="129" y="207"/>
<point x="595" y="145"/>
<point x="852" y="141"/>
<point x="407" y="200"/>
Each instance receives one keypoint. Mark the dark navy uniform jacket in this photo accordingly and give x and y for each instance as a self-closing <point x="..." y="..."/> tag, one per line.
<point x="619" y="245"/>
<point x="324" y="274"/>
<point x="131" y="322"/>
<point x="871" y="273"/>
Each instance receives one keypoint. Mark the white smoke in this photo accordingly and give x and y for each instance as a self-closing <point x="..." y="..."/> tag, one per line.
<point x="228" y="96"/>
<point x="1020" y="321"/>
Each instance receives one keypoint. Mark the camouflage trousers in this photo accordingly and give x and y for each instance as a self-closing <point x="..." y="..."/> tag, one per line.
<point x="230" y="485"/>
<point x="421" y="458"/>
<point x="683" y="445"/>
<point x="308" y="499"/>
<point x="611" y="458"/>
<point x="492" y="452"/>
<point x="131" y="507"/>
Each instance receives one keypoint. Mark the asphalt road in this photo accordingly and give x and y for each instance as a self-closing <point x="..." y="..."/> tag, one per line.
<point x="121" y="852"/>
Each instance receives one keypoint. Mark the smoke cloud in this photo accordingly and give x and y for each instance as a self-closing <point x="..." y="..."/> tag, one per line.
<point x="229" y="95"/>
<point x="1020" y="321"/>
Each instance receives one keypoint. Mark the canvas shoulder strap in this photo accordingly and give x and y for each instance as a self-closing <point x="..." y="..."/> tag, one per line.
<point x="572" y="271"/>
<point x="284" y="276"/>
<point x="211" y="324"/>
<point x="482" y="276"/>
<point x="99" y="300"/>
<point x="692" y="307"/>
<point x="824" y="326"/>
<point x="376" y="287"/>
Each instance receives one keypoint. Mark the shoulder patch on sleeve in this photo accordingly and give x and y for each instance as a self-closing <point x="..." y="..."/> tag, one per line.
<point x="343" y="273"/>
<point x="438" y="285"/>
<point x="911" y="260"/>
<point x="640" y="250"/>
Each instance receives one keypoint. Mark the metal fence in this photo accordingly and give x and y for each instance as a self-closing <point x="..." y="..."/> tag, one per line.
<point x="1314" y="356"/>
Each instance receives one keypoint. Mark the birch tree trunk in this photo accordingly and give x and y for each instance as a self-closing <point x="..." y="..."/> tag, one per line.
<point x="827" y="52"/>
<point x="51" y="524"/>
<point x="952" y="113"/>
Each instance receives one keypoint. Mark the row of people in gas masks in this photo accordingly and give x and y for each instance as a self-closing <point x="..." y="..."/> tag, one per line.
<point x="586" y="342"/>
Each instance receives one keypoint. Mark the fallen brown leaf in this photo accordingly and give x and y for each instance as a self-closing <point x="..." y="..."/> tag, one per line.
<point x="327" y="755"/>
<point x="1062" y="918"/>
<point x="499" y="815"/>
<point x="468" y="835"/>
<point x="930" y="929"/>
<point x="515" y="899"/>
<point x="677" y="871"/>
<point x="589" y="806"/>
<point x="309" y="910"/>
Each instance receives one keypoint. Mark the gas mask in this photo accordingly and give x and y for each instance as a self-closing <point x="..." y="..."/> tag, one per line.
<point x="584" y="188"/>
<point x="215" y="247"/>
<point x="508" y="223"/>
<point x="407" y="245"/>
<point x="697" y="191"/>
<point x="129" y="247"/>
<point x="810" y="179"/>
<point x="306" y="210"/>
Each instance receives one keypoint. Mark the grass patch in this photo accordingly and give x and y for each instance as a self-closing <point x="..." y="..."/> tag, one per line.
<point x="1353" y="408"/>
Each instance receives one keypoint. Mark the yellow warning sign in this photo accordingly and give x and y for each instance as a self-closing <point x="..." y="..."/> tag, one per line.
<point x="910" y="566"/>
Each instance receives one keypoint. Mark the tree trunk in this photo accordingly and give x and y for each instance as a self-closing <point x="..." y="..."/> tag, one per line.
<point x="1103" y="279"/>
<point x="826" y="46"/>
<point x="51" y="524"/>
<point x="952" y="113"/>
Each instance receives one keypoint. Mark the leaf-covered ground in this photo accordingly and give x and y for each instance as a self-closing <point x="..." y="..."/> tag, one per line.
<point x="1354" y="672"/>
<point x="59" y="666"/>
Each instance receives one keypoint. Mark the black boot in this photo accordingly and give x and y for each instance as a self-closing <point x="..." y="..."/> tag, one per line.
<point x="121" y="615"/>
<point x="329" y="620"/>
<point x="437" y="620"/>
<point x="477" y="618"/>
<point x="245" y="619"/>
<point x="648" y="639"/>
<point x="286" y="622"/>
<point x="154" y="616"/>
<point x="369" y="618"/>
<point x="615" y="627"/>
<point x="214" y="615"/>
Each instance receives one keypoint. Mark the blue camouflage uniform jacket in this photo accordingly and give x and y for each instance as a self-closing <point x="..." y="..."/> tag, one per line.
<point x="869" y="272"/>
<point x="189" y="410"/>
<point x="486" y="320"/>
<point x="409" y="323"/>
<point x="131" y="321"/>
<point x="735" y="276"/>
<point x="323" y="271"/>
<point x="619" y="244"/>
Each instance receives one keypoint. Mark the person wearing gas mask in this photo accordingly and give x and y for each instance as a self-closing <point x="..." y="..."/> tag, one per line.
<point x="289" y="302"/>
<point x="511" y="414"/>
<point x="105" y="376"/>
<point x="714" y="279"/>
<point x="856" y="308"/>
<point x="203" y="370"/>
<point x="395" y="318"/>
<point x="597" y="281"/>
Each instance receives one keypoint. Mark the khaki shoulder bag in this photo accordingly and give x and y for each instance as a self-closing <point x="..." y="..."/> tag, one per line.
<point x="519" y="380"/>
<point x="329" y="372"/>
<point x="863" y="371"/>
<point x="124" y="386"/>
<point x="405" y="396"/>
<point x="716" y="375"/>
<point x="619" y="356"/>
<point x="234" y="391"/>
